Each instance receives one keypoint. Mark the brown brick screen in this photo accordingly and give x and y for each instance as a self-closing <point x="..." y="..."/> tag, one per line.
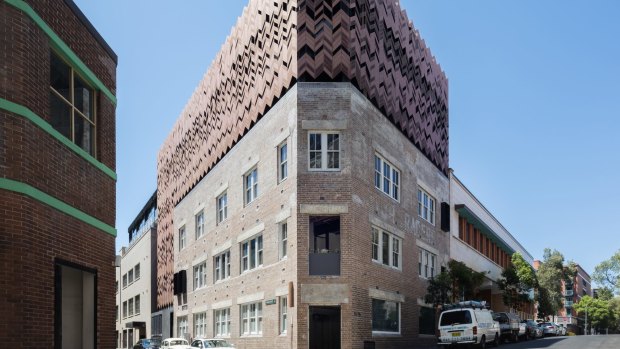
<point x="370" y="43"/>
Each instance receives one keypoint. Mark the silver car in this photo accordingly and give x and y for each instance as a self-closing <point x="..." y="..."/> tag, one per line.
<point x="211" y="343"/>
<point x="549" y="329"/>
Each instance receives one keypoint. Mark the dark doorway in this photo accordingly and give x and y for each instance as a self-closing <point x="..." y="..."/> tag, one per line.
<point x="324" y="327"/>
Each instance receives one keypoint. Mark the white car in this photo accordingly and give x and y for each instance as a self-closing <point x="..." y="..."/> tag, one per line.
<point x="211" y="343"/>
<point x="175" y="343"/>
<point x="467" y="323"/>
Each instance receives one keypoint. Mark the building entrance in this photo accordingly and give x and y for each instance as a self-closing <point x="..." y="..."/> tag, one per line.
<point x="324" y="327"/>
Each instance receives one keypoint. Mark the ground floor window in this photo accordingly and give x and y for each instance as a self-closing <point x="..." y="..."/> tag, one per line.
<point x="200" y="325"/>
<point x="252" y="319"/>
<point x="385" y="316"/>
<point x="75" y="306"/>
<point x="283" y="314"/>
<point x="221" y="322"/>
<point x="182" y="327"/>
<point x="427" y="320"/>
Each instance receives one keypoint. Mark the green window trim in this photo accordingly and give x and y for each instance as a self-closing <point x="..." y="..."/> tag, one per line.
<point x="63" y="48"/>
<point x="35" y="119"/>
<point x="25" y="189"/>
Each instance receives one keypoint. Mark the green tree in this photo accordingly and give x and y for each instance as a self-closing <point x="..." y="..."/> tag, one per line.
<point x="614" y="305"/>
<point x="465" y="281"/>
<point x="600" y="314"/>
<point x="545" y="307"/>
<point x="439" y="289"/>
<point x="605" y="293"/>
<point x="551" y="273"/>
<point x="516" y="282"/>
<point x="607" y="273"/>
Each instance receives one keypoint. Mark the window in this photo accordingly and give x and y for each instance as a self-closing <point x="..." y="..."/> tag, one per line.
<point x="200" y="275"/>
<point x="324" y="151"/>
<point x="221" y="264"/>
<point x="137" y="305"/>
<point x="324" y="249"/>
<point x="136" y="271"/>
<point x="385" y="316"/>
<point x="283" y="238"/>
<point x="182" y="326"/>
<point x="130" y="306"/>
<point x="222" y="322"/>
<point x="426" y="264"/>
<point x="117" y="313"/>
<point x="222" y="207"/>
<point x="283" y="314"/>
<point x="124" y="280"/>
<point x="386" y="248"/>
<point x="251" y="185"/>
<point x="181" y="238"/>
<point x="426" y="206"/>
<point x="252" y="319"/>
<point x="252" y="253"/>
<point x="124" y="309"/>
<point x="72" y="103"/>
<point x="387" y="178"/>
<point x="130" y="277"/>
<point x="282" y="162"/>
<point x="200" y="224"/>
<point x="200" y="325"/>
<point x="116" y="284"/>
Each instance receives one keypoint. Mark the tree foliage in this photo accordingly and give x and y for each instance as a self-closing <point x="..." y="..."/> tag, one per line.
<point x="457" y="282"/>
<point x="516" y="282"/>
<point x="439" y="289"/>
<point x="545" y="307"/>
<point x="600" y="313"/>
<point x="607" y="273"/>
<point x="550" y="275"/>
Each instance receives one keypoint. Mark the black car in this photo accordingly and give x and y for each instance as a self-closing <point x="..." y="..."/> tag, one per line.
<point x="148" y="343"/>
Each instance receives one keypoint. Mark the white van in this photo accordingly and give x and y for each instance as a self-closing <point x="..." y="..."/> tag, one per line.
<point x="468" y="323"/>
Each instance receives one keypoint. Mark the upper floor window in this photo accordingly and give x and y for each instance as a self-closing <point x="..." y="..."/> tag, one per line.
<point x="283" y="237"/>
<point x="387" y="178"/>
<point x="222" y="207"/>
<point x="282" y="162"/>
<point x="323" y="151"/>
<point x="200" y="275"/>
<point x="426" y="206"/>
<point x="250" y="185"/>
<point x="426" y="264"/>
<point x="221" y="264"/>
<point x="386" y="248"/>
<point x="252" y="253"/>
<point x="136" y="271"/>
<point x="72" y="103"/>
<point x="182" y="241"/>
<point x="200" y="224"/>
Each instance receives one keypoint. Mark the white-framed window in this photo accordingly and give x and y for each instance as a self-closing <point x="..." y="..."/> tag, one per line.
<point x="200" y="275"/>
<point x="250" y="185"/>
<point x="387" y="178"/>
<point x="282" y="162"/>
<point x="182" y="327"/>
<point x="386" y="248"/>
<point x="282" y="239"/>
<point x="136" y="272"/>
<point x="426" y="263"/>
<point x="323" y="151"/>
<point x="200" y="224"/>
<point x="182" y="242"/>
<point x="426" y="206"/>
<point x="124" y="280"/>
<point x="385" y="316"/>
<point x="137" y="305"/>
<point x="252" y="319"/>
<point x="200" y="325"/>
<point x="221" y="321"/>
<point x="283" y="314"/>
<point x="252" y="253"/>
<point x="130" y="276"/>
<point x="222" y="207"/>
<point x="221" y="265"/>
<point x="130" y="307"/>
<point x="124" y="309"/>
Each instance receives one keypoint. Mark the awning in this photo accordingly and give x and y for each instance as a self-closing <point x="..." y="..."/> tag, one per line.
<point x="473" y="219"/>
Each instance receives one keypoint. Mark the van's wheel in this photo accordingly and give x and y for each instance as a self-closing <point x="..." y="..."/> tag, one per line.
<point x="496" y="341"/>
<point x="483" y="343"/>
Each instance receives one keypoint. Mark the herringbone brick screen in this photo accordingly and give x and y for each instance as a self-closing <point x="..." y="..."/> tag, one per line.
<point x="275" y="43"/>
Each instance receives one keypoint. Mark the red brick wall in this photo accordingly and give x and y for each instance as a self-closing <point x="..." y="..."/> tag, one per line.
<point x="32" y="234"/>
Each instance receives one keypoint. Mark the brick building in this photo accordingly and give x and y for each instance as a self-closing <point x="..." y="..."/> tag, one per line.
<point x="303" y="191"/>
<point x="57" y="179"/>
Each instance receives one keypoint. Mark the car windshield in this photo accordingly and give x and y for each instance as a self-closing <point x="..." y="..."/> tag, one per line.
<point x="217" y="344"/>
<point x="177" y="342"/>
<point x="546" y="324"/>
<point x="455" y="317"/>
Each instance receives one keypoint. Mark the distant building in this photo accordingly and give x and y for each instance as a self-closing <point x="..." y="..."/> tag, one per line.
<point x="480" y="241"/>
<point x="299" y="192"/>
<point x="573" y="292"/>
<point x="57" y="179"/>
<point x="135" y="279"/>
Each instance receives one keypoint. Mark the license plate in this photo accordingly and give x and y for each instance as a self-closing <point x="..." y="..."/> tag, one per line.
<point x="456" y="334"/>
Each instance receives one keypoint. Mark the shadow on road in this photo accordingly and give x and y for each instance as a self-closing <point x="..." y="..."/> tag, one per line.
<point x="536" y="343"/>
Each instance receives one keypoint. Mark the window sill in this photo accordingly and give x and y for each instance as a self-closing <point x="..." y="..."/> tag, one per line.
<point x="386" y="334"/>
<point x="283" y="334"/>
<point x="324" y="170"/>
<point x="251" y="335"/>
<point x="280" y="181"/>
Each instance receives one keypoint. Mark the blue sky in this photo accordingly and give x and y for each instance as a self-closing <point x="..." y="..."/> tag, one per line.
<point x="534" y="104"/>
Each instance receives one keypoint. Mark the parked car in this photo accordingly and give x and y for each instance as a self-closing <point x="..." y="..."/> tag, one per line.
<point x="211" y="343"/>
<point x="175" y="343"/>
<point x="561" y="330"/>
<point x="522" y="330"/>
<point x="509" y="325"/>
<point x="549" y="329"/>
<point x="467" y="323"/>
<point x="532" y="330"/>
<point x="147" y="343"/>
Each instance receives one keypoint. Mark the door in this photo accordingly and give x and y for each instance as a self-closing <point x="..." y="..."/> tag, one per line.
<point x="324" y="327"/>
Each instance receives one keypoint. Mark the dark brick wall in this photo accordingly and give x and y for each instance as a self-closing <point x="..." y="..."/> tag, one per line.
<point x="33" y="235"/>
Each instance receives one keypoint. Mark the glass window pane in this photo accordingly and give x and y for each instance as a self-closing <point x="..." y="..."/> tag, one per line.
<point x="83" y="97"/>
<point x="333" y="142"/>
<point x="333" y="160"/>
<point x="60" y="76"/>
<point x="83" y="134"/>
<point x="385" y="251"/>
<point x="60" y="115"/>
<point x="385" y="316"/>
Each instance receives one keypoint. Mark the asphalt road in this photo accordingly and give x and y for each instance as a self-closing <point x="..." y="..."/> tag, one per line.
<point x="572" y="342"/>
